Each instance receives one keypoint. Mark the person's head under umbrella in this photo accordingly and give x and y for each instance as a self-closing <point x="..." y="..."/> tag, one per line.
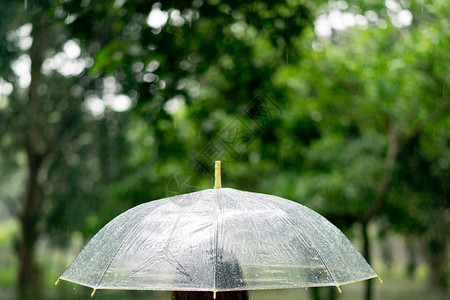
<point x="228" y="275"/>
<point x="196" y="295"/>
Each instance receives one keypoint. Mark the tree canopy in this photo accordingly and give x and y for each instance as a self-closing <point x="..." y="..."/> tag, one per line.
<point x="340" y="105"/>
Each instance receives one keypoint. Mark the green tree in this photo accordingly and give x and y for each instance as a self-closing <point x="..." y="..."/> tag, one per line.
<point x="56" y="114"/>
<point x="374" y="89"/>
<point x="342" y="117"/>
<point x="211" y="59"/>
<point x="46" y="118"/>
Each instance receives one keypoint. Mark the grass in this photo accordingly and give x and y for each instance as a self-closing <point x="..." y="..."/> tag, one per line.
<point x="8" y="262"/>
<point x="393" y="288"/>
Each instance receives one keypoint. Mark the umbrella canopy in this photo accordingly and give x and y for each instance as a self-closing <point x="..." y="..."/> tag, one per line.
<point x="218" y="239"/>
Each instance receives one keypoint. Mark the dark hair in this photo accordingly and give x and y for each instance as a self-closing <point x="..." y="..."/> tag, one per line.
<point x="197" y="295"/>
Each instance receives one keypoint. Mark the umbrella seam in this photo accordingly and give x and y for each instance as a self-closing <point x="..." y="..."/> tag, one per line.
<point x="338" y="231"/>
<point x="134" y="227"/>
<point x="315" y="249"/>
<point x="309" y="239"/>
<point x="118" y="248"/>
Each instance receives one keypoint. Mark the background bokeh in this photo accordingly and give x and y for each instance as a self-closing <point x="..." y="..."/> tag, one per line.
<point x="342" y="106"/>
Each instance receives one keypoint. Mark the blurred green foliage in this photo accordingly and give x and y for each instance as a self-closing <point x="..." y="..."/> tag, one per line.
<point x="351" y="121"/>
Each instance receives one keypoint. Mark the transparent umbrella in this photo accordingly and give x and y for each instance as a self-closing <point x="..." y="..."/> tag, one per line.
<point x="218" y="239"/>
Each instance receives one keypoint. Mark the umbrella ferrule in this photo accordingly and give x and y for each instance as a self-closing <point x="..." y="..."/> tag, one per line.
<point x="217" y="179"/>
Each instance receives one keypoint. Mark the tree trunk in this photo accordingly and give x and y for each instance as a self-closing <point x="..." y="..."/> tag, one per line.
<point x="332" y="293"/>
<point x="28" y="284"/>
<point x="366" y="252"/>
<point x="437" y="258"/>
<point x="28" y="281"/>
<point x="394" y="147"/>
<point x="386" y="251"/>
<point x="412" y="258"/>
<point x="315" y="293"/>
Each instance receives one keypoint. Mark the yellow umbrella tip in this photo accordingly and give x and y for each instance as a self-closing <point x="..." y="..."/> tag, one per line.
<point x="57" y="281"/>
<point x="379" y="279"/>
<point x="217" y="177"/>
<point x="93" y="293"/>
<point x="214" y="295"/>
<point x="339" y="289"/>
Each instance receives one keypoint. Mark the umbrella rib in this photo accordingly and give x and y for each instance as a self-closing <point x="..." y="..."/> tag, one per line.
<point x="177" y="265"/>
<point x="118" y="248"/>
<point x="310" y="240"/>
<point x="166" y="243"/>
<point x="315" y="248"/>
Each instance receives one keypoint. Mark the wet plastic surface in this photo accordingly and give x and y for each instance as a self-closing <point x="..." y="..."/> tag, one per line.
<point x="217" y="240"/>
